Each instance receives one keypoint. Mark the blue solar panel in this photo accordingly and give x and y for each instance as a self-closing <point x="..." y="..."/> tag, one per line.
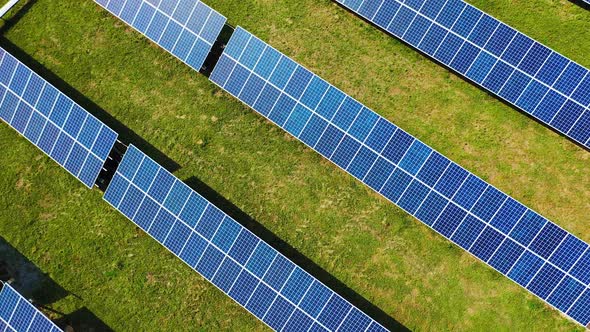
<point x="511" y="238"/>
<point x="247" y="269"/>
<point x="19" y="315"/>
<point x="186" y="28"/>
<point x="502" y="60"/>
<point x="53" y="122"/>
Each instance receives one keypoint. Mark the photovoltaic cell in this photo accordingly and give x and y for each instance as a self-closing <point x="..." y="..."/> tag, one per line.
<point x="19" y="315"/>
<point x="516" y="68"/>
<point x="239" y="263"/>
<point x="50" y="120"/>
<point x="187" y="28"/>
<point x="492" y="226"/>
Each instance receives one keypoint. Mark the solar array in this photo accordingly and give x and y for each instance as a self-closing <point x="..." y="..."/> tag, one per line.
<point x="50" y="120"/>
<point x="19" y="315"/>
<point x="517" y="242"/>
<point x="507" y="63"/>
<point x="236" y="261"/>
<point x="185" y="28"/>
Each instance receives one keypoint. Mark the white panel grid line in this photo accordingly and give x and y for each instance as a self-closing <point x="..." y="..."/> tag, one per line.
<point x="42" y="323"/>
<point x="500" y="59"/>
<point x="235" y="64"/>
<point x="369" y="148"/>
<point x="170" y="18"/>
<point x="210" y="243"/>
<point x="60" y="128"/>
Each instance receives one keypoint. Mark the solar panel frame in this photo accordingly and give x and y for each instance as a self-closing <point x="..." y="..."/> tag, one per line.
<point x="53" y="122"/>
<point x="17" y="314"/>
<point x="272" y="287"/>
<point x="511" y="57"/>
<point x="455" y="203"/>
<point x="172" y="25"/>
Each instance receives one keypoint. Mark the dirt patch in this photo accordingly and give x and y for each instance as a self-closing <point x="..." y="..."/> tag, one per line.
<point x="46" y="216"/>
<point x="22" y="184"/>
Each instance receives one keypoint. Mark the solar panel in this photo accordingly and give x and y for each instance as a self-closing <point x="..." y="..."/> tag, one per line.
<point x="185" y="28"/>
<point x="236" y="261"/>
<point x="50" y="120"/>
<point x="505" y="62"/>
<point x="514" y="240"/>
<point x="19" y="315"/>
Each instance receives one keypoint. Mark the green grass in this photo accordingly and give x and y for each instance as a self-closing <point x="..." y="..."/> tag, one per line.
<point x="131" y="283"/>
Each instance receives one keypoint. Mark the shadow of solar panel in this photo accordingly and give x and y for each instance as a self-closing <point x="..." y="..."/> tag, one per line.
<point x="489" y="224"/>
<point x="493" y="55"/>
<point x="239" y="263"/>
<point x="187" y="28"/>
<point x="62" y="129"/>
<point x="19" y="315"/>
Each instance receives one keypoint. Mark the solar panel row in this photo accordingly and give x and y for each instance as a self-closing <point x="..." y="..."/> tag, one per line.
<point x="236" y="261"/>
<point x="514" y="240"/>
<point x="19" y="315"/>
<point x="520" y="70"/>
<point x="185" y="28"/>
<point x="62" y="129"/>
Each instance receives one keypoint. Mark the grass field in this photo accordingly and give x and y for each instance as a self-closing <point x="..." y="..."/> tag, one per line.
<point x="273" y="182"/>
